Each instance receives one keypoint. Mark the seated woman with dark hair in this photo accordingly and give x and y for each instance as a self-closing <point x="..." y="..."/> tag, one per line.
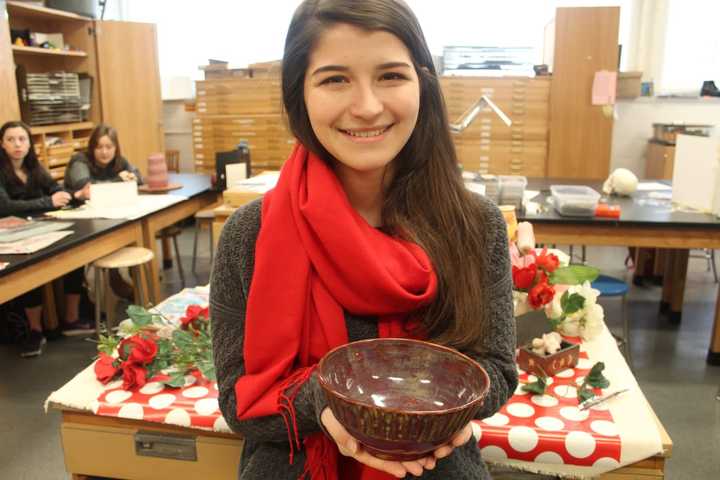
<point x="101" y="163"/>
<point x="26" y="188"/>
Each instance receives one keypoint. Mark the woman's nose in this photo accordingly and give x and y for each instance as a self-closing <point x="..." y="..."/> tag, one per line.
<point x="366" y="103"/>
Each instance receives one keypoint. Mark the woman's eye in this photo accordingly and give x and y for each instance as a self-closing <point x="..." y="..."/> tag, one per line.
<point x="392" y="76"/>
<point x="335" y="79"/>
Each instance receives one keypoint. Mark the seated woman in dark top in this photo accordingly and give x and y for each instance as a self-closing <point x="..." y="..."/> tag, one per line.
<point x="101" y="163"/>
<point x="26" y="188"/>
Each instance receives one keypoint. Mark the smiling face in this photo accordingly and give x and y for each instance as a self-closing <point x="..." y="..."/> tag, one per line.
<point x="362" y="96"/>
<point x="105" y="150"/>
<point x="16" y="143"/>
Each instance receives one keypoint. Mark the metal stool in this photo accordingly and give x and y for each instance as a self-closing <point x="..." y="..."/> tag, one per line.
<point x="614" y="287"/>
<point x="709" y="255"/>
<point x="172" y="232"/>
<point x="203" y="218"/>
<point x="132" y="257"/>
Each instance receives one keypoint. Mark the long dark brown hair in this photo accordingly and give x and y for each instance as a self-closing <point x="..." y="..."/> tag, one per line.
<point x="426" y="200"/>
<point x="100" y="131"/>
<point x="31" y="164"/>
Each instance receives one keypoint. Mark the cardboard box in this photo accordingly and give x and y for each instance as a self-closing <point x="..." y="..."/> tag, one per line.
<point x="629" y="84"/>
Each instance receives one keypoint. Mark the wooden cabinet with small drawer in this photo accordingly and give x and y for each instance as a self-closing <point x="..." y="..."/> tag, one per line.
<point x="659" y="161"/>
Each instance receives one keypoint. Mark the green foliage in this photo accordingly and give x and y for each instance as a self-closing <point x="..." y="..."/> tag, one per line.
<point x="571" y="303"/>
<point x="594" y="379"/>
<point x="573" y="275"/>
<point x="183" y="352"/>
<point x="537" y="387"/>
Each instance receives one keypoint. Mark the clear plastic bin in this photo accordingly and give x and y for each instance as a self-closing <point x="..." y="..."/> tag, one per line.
<point x="574" y="200"/>
<point x="512" y="190"/>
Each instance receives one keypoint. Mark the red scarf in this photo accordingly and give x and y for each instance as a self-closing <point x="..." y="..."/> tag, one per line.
<point x="316" y="258"/>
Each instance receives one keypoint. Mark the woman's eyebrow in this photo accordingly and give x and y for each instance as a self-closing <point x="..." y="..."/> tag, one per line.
<point x="343" y="68"/>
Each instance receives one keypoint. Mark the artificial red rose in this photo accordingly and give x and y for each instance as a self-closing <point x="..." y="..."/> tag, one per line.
<point x="541" y="294"/>
<point x="193" y="313"/>
<point x="137" y="349"/>
<point x="523" y="277"/>
<point x="134" y="376"/>
<point x="547" y="261"/>
<point x="105" y="370"/>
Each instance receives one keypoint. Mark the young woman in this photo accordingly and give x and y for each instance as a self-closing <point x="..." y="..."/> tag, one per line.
<point x="369" y="233"/>
<point x="26" y="188"/>
<point x="102" y="163"/>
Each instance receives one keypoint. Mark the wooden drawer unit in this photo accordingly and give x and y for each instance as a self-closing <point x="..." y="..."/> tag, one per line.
<point x="132" y="450"/>
<point x="659" y="161"/>
<point x="503" y="157"/>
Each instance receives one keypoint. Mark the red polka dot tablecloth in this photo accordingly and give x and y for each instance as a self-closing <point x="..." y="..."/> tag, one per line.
<point x="194" y="405"/>
<point x="542" y="433"/>
<point x="550" y="428"/>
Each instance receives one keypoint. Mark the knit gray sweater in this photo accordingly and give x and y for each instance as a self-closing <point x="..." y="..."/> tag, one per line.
<point x="266" y="452"/>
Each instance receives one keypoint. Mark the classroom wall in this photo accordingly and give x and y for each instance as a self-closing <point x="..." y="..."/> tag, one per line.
<point x="633" y="125"/>
<point x="177" y="124"/>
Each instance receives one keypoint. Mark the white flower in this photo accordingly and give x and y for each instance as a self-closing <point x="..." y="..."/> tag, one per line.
<point x="554" y="308"/>
<point x="589" y="293"/>
<point x="520" y="303"/>
<point x="166" y="331"/>
<point x="570" y="327"/>
<point x="594" y="315"/>
<point x="125" y="327"/>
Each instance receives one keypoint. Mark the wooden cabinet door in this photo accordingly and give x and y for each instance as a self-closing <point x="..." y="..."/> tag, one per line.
<point x="9" y="107"/>
<point x="129" y="78"/>
<point x="586" y="41"/>
<point x="659" y="161"/>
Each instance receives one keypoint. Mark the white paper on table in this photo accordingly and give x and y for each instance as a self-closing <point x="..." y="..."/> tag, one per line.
<point x="111" y="194"/>
<point x="478" y="188"/>
<point x="235" y="172"/>
<point x="529" y="195"/>
<point x="695" y="172"/>
<point x="651" y="186"/>
<point x="32" y="244"/>
<point x="144" y="205"/>
<point x="257" y="184"/>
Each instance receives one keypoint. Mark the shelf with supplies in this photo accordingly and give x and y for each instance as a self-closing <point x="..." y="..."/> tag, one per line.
<point x="56" y="144"/>
<point x="21" y="50"/>
<point x="59" y="88"/>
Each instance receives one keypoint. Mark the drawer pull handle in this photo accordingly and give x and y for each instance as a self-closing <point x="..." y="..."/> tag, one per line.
<point x="165" y="445"/>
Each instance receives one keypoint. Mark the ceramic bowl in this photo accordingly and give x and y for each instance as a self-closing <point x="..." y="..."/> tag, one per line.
<point x="402" y="398"/>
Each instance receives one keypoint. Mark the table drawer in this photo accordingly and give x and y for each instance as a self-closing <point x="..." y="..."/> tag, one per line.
<point x="112" y="452"/>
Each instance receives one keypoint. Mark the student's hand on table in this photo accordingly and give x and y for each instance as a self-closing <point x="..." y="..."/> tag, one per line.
<point x="350" y="447"/>
<point x="60" y="199"/>
<point x="83" y="193"/>
<point x="460" y="439"/>
<point x="127" y="176"/>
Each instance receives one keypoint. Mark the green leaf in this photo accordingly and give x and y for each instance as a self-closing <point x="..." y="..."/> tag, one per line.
<point x="595" y="378"/>
<point x="584" y="394"/>
<point x="207" y="369"/>
<point x="572" y="303"/>
<point x="177" y="380"/>
<point x="139" y="315"/>
<point x="573" y="275"/>
<point x="538" y="387"/>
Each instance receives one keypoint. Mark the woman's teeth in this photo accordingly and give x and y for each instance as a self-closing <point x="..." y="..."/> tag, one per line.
<point x="369" y="133"/>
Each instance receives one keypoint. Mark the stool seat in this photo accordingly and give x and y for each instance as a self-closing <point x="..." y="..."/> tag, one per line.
<point x="207" y="214"/>
<point x="610" y="286"/>
<point x="125" y="257"/>
<point x="171" y="231"/>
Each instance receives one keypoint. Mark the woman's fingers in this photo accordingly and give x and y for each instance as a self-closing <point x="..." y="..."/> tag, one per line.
<point x="396" y="469"/>
<point x="347" y="445"/>
<point x="463" y="436"/>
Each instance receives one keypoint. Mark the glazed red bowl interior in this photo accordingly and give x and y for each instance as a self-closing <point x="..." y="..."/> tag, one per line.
<point x="402" y="398"/>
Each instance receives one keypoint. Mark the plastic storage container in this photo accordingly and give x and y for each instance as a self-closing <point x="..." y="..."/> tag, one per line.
<point x="574" y="200"/>
<point x="512" y="189"/>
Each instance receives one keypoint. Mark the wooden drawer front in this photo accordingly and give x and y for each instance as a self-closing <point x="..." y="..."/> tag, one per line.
<point x="504" y="158"/>
<point x="659" y="161"/>
<point x="111" y="452"/>
<point x="478" y="130"/>
<point x="536" y="112"/>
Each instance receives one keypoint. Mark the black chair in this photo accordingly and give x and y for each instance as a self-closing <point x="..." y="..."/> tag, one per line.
<point x="222" y="159"/>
